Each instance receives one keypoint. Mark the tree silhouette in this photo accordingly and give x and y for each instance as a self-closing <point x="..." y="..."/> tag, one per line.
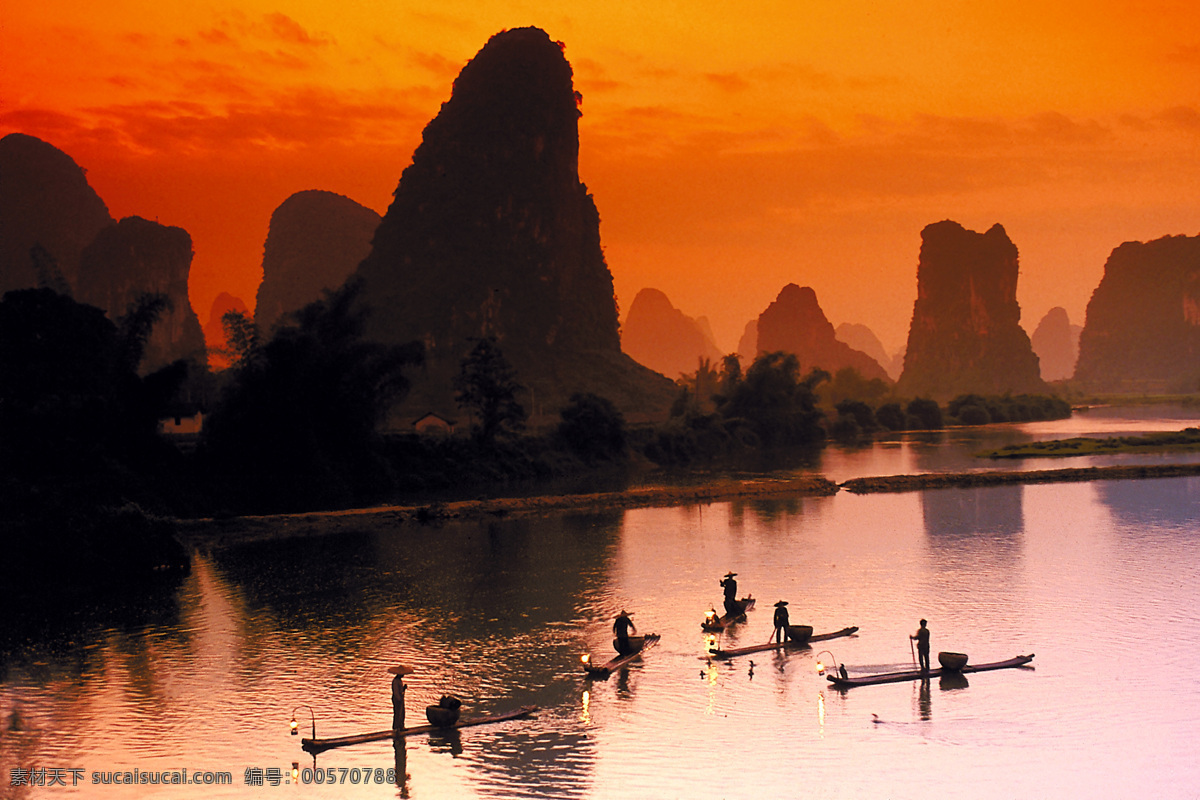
<point x="70" y="395"/>
<point x="486" y="386"/>
<point x="137" y="323"/>
<point x="776" y="402"/>
<point x="297" y="425"/>
<point x="731" y="376"/>
<point x="924" y="414"/>
<point x="592" y="427"/>
<point x="242" y="338"/>
<point x="891" y="416"/>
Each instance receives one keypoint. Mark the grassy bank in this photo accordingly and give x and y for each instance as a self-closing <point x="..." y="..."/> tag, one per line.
<point x="913" y="483"/>
<point x="1187" y="440"/>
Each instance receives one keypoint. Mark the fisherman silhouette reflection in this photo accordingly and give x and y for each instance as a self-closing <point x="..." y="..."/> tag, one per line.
<point x="400" y="743"/>
<point x="624" y="689"/>
<point x="924" y="700"/>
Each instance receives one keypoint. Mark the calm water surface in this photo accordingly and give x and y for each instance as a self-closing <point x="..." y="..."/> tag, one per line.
<point x="1101" y="580"/>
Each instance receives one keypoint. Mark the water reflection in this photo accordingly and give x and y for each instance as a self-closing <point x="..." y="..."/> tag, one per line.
<point x="446" y="741"/>
<point x="924" y="700"/>
<point x="400" y="747"/>
<point x="959" y="515"/>
<point x="953" y="681"/>
<point x="499" y="611"/>
<point x="1172" y="502"/>
<point x="764" y="510"/>
<point x="974" y="532"/>
<point x="537" y="763"/>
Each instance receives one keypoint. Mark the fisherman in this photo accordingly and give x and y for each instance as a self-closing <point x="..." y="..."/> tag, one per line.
<point x="398" y="689"/>
<point x="733" y="607"/>
<point x="921" y="637"/>
<point x="621" y="628"/>
<point x="781" y="622"/>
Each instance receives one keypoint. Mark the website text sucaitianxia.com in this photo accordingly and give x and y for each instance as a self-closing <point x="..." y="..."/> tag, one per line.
<point x="251" y="776"/>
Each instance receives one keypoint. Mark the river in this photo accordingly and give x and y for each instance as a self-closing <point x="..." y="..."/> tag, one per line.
<point x="1100" y="580"/>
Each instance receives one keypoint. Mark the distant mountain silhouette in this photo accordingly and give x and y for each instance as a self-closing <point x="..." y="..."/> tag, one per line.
<point x="1056" y="342"/>
<point x="747" y="348"/>
<point x="135" y="257"/>
<point x="214" y="329"/>
<point x="860" y="337"/>
<point x="795" y="323"/>
<point x="316" y="240"/>
<point x="491" y="232"/>
<point x="45" y="200"/>
<point x="965" y="335"/>
<point x="1143" y="322"/>
<point x="663" y="338"/>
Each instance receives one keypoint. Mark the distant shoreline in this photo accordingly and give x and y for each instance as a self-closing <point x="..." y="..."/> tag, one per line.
<point x="234" y="530"/>
<point x="1185" y="441"/>
<point x="215" y="532"/>
<point x="934" y="480"/>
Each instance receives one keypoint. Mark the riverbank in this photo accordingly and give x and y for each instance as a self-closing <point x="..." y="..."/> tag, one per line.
<point x="232" y="530"/>
<point x="207" y="533"/>
<point x="914" y="483"/>
<point x="1185" y="441"/>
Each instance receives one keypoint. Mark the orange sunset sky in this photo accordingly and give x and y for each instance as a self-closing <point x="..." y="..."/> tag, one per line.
<point x="731" y="148"/>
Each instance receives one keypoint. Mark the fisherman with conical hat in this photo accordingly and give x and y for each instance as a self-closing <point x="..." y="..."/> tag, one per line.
<point x="398" y="689"/>
<point x="733" y="606"/>
<point x="621" y="629"/>
<point x="781" y="622"/>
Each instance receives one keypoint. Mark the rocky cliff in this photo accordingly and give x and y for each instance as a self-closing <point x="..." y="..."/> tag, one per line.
<point x="136" y="257"/>
<point x="45" y="200"/>
<point x="965" y="335"/>
<point x="663" y="338"/>
<point x="316" y="240"/>
<point x="491" y="232"/>
<point x="1056" y="342"/>
<point x="1142" y="331"/>
<point x="795" y="323"/>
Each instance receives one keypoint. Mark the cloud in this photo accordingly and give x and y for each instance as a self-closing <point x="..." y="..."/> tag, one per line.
<point x="308" y="117"/>
<point x="727" y="81"/>
<point x="287" y="30"/>
<point x="1185" y="118"/>
<point x="1187" y="55"/>
<point x="214" y="36"/>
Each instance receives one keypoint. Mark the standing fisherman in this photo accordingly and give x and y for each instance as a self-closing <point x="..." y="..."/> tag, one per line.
<point x="922" y="639"/>
<point x="398" y="689"/>
<point x="733" y="606"/>
<point x="621" y="628"/>
<point x="781" y="622"/>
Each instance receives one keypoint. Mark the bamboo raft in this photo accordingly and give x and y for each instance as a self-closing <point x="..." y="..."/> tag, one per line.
<point x="733" y="652"/>
<point x="321" y="745"/>
<point x="916" y="674"/>
<point x="602" y="671"/>
<point x="722" y="622"/>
